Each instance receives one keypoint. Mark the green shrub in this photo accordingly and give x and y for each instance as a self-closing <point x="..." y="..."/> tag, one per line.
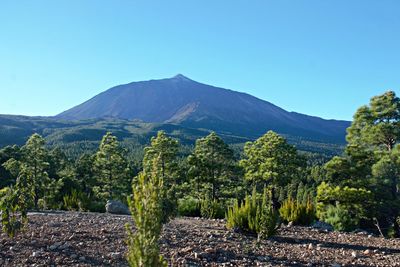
<point x="169" y="204"/>
<point x="211" y="209"/>
<point x="254" y="215"/>
<point x="4" y="192"/>
<point x="14" y="210"/>
<point x="97" y="206"/>
<point x="341" y="219"/>
<point x="77" y="200"/>
<point x="297" y="212"/>
<point x="343" y="207"/>
<point x="189" y="206"/>
<point x="146" y="208"/>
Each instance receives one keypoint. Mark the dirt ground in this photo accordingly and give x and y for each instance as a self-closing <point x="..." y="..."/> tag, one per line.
<point x="93" y="239"/>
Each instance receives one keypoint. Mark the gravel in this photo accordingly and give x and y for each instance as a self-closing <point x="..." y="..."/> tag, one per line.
<point x="93" y="239"/>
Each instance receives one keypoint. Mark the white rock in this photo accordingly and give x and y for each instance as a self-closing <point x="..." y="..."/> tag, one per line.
<point x="367" y="252"/>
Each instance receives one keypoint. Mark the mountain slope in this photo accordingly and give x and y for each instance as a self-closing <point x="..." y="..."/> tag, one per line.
<point x="180" y="100"/>
<point x="77" y="137"/>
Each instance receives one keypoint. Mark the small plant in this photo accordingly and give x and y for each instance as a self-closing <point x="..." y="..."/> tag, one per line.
<point x="297" y="212"/>
<point x="254" y="215"/>
<point x="77" y="200"/>
<point x="146" y="208"/>
<point x="211" y="209"/>
<point x="14" y="211"/>
<point x="189" y="206"/>
<point x="341" y="219"/>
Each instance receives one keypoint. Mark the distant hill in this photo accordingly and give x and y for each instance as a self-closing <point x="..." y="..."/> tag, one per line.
<point x="182" y="101"/>
<point x="77" y="137"/>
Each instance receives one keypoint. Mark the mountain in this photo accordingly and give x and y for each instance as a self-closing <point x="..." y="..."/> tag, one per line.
<point x="180" y="100"/>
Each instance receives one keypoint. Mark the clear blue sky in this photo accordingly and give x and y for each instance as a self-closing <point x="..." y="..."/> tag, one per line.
<point x="323" y="58"/>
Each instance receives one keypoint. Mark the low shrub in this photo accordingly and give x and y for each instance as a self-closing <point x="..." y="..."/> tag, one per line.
<point x="211" y="209"/>
<point x="297" y="212"/>
<point x="189" y="206"/>
<point x="14" y="210"/>
<point x="341" y="219"/>
<point x="77" y="200"/>
<point x="97" y="206"/>
<point x="254" y="215"/>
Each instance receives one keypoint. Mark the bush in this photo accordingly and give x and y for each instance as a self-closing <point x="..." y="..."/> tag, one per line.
<point x="14" y="210"/>
<point x="211" y="209"/>
<point x="169" y="204"/>
<point x="341" y="219"/>
<point x="97" y="206"/>
<point x="343" y="207"/>
<point x="298" y="213"/>
<point x="189" y="206"/>
<point x="254" y="215"/>
<point x="77" y="200"/>
<point x="146" y="208"/>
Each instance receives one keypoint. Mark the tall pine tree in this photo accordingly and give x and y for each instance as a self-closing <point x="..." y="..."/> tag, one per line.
<point x="111" y="170"/>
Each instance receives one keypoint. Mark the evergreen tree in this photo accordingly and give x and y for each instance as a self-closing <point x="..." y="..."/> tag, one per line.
<point x="213" y="166"/>
<point x="271" y="162"/>
<point x="111" y="169"/>
<point x="6" y="153"/>
<point x="31" y="168"/>
<point x="377" y="126"/>
<point x="84" y="171"/>
<point x="370" y="159"/>
<point x="163" y="152"/>
<point x="166" y="149"/>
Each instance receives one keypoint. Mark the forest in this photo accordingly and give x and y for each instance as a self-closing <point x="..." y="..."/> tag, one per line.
<point x="256" y="187"/>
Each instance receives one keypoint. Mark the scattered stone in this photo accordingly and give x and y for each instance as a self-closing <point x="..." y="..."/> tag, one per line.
<point x="186" y="250"/>
<point x="55" y="246"/>
<point x="117" y="207"/>
<point x="115" y="255"/>
<point x="367" y="252"/>
<point x="188" y="242"/>
<point x="209" y="250"/>
<point x="323" y="226"/>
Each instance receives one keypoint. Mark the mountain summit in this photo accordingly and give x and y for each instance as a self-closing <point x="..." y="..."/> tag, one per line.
<point x="180" y="100"/>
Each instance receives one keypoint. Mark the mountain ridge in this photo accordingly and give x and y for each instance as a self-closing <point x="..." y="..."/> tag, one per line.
<point x="186" y="102"/>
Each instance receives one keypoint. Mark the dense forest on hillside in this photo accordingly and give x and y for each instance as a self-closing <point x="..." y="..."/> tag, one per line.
<point x="255" y="188"/>
<point x="77" y="137"/>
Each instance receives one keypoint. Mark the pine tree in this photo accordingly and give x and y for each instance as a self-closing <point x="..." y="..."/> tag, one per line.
<point x="271" y="162"/>
<point x="213" y="166"/>
<point x="370" y="160"/>
<point x="163" y="150"/>
<point x="31" y="169"/>
<point x="111" y="169"/>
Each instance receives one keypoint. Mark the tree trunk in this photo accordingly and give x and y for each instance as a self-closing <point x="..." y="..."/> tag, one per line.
<point x="274" y="200"/>
<point x="110" y="185"/>
<point x="396" y="228"/>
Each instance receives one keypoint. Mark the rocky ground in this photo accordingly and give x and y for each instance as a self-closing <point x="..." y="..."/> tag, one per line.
<point x="90" y="239"/>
